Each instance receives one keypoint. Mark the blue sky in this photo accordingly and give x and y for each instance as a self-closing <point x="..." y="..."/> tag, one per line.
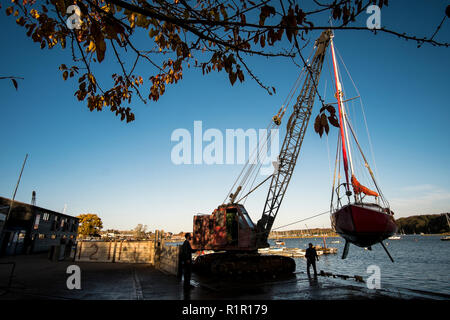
<point x="123" y="172"/>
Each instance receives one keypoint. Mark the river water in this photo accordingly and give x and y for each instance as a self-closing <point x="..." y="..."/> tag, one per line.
<point x="421" y="262"/>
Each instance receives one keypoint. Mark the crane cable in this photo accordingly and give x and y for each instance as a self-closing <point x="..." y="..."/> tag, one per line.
<point x="275" y="122"/>
<point x="314" y="216"/>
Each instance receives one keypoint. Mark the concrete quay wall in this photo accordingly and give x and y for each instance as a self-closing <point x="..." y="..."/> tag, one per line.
<point x="153" y="252"/>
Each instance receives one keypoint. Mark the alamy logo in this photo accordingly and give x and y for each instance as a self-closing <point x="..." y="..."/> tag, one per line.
<point x="374" y="280"/>
<point x="374" y="21"/>
<point x="74" y="280"/>
<point x="237" y="147"/>
<point x="74" y="20"/>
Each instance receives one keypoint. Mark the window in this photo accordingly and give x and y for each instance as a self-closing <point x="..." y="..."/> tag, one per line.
<point x="248" y="220"/>
<point x="53" y="236"/>
<point x="41" y="236"/>
<point x="55" y="225"/>
<point x="46" y="216"/>
<point x="36" y="221"/>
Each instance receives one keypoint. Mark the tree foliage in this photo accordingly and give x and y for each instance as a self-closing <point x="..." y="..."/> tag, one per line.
<point x="140" y="230"/>
<point x="90" y="224"/>
<point x="436" y="223"/>
<point x="213" y="35"/>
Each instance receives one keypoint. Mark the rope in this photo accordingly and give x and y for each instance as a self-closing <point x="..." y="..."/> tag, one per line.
<point x="254" y="188"/>
<point x="247" y="171"/>
<point x="314" y="216"/>
<point x="335" y="169"/>
<point x="243" y="170"/>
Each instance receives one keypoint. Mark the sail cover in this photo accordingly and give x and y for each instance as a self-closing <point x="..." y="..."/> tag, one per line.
<point x="359" y="188"/>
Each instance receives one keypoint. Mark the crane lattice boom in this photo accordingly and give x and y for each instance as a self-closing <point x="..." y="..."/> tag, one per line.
<point x="295" y="132"/>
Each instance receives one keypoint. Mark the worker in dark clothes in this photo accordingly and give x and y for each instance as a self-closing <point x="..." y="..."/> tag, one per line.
<point x="311" y="256"/>
<point x="186" y="260"/>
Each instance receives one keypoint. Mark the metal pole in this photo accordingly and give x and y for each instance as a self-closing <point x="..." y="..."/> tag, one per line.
<point x="385" y="249"/>
<point x="15" y="190"/>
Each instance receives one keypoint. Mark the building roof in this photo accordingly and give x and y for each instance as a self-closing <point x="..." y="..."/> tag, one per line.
<point x="5" y="202"/>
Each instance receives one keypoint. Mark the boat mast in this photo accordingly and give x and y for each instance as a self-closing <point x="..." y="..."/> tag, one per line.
<point x="342" y="115"/>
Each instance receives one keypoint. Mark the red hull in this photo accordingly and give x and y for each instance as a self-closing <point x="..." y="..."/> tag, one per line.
<point x="363" y="225"/>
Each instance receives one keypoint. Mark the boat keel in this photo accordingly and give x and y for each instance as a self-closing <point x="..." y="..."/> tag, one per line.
<point x="345" y="252"/>
<point x="385" y="249"/>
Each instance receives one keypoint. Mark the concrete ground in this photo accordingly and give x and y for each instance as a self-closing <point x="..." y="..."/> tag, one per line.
<point x="36" y="277"/>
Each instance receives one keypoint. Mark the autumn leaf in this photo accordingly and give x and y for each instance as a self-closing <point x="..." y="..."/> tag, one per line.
<point x="14" y="83"/>
<point x="220" y="34"/>
<point x="100" y="49"/>
<point x="323" y="120"/>
<point x="333" y="121"/>
<point x="232" y="76"/>
<point x="317" y="124"/>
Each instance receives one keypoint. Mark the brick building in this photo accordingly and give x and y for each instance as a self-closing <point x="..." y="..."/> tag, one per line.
<point x="32" y="229"/>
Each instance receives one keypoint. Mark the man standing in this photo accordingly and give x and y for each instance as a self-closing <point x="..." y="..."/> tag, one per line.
<point x="311" y="256"/>
<point x="186" y="260"/>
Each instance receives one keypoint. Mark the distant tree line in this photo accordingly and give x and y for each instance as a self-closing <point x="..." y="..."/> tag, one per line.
<point x="302" y="232"/>
<point x="434" y="223"/>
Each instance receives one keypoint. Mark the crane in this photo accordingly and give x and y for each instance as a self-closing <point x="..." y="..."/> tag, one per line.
<point x="229" y="230"/>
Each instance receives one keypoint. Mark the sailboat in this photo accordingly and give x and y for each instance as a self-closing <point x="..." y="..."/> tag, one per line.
<point x="358" y="214"/>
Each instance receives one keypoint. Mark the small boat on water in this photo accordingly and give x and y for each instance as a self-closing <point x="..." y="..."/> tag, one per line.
<point x="279" y="243"/>
<point x="394" y="238"/>
<point x="446" y="238"/>
<point x="335" y="241"/>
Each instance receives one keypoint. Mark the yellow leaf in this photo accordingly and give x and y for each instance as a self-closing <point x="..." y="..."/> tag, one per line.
<point x="9" y="10"/>
<point x="34" y="13"/>
<point x="91" y="46"/>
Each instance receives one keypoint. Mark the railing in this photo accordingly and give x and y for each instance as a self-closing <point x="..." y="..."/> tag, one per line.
<point x="358" y="198"/>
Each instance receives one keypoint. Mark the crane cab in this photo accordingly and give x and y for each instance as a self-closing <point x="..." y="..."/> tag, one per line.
<point x="229" y="228"/>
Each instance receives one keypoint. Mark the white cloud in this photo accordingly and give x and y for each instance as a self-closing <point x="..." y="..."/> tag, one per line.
<point x="421" y="187"/>
<point x="421" y="199"/>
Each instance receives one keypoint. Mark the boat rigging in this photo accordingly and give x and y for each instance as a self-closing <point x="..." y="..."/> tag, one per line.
<point x="359" y="221"/>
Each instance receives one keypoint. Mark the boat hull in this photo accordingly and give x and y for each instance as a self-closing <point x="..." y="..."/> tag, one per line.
<point x="363" y="225"/>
